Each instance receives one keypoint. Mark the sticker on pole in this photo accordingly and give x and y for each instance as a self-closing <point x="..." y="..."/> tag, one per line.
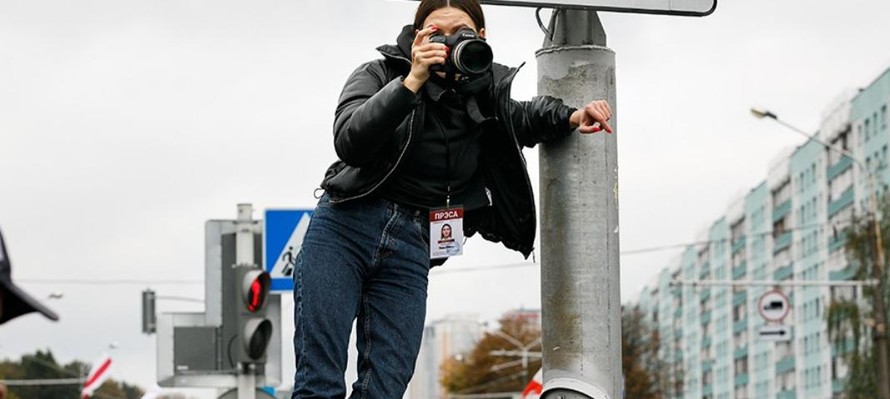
<point x="774" y="306"/>
<point x="283" y="232"/>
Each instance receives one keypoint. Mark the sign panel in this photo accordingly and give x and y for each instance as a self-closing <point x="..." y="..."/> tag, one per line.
<point x="775" y="333"/>
<point x="283" y="231"/>
<point x="773" y="305"/>
<point x="692" y="8"/>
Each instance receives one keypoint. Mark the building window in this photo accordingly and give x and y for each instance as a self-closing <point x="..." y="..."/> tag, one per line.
<point x="785" y="381"/>
<point x="739" y="312"/>
<point x="782" y="193"/>
<point x="884" y="116"/>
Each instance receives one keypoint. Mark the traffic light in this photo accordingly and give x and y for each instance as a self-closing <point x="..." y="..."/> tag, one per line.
<point x="149" y="315"/>
<point x="254" y="329"/>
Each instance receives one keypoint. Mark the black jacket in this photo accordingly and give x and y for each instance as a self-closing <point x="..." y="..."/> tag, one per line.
<point x="377" y="117"/>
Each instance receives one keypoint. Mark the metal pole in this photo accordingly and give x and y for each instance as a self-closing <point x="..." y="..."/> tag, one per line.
<point x="244" y="256"/>
<point x="581" y="305"/>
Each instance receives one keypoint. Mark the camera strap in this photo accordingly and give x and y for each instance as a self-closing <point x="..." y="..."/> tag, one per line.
<point x="471" y="90"/>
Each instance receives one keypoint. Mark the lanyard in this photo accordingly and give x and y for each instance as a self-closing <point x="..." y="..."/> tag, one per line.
<point x="447" y="158"/>
<point x="472" y="123"/>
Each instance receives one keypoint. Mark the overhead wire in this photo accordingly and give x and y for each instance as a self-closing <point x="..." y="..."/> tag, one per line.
<point x="437" y="270"/>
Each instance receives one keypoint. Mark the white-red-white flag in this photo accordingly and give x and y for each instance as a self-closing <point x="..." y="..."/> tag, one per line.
<point x="98" y="374"/>
<point x="533" y="390"/>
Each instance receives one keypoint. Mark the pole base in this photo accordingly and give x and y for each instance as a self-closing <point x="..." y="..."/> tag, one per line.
<point x="570" y="388"/>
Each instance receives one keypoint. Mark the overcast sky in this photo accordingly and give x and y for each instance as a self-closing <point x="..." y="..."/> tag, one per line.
<point x="125" y="125"/>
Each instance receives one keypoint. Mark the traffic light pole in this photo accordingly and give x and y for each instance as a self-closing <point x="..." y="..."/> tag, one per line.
<point x="581" y="304"/>
<point x="244" y="256"/>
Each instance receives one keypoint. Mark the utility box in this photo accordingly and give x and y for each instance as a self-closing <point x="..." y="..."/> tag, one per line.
<point x="190" y="348"/>
<point x="195" y="350"/>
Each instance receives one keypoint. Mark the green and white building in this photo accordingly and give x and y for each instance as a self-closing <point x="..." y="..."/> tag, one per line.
<point x="789" y="227"/>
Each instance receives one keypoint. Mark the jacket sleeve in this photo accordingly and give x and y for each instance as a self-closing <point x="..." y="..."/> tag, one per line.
<point x="368" y="112"/>
<point x="542" y="119"/>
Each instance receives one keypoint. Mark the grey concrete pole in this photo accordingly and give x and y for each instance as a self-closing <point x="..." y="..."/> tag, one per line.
<point x="581" y="303"/>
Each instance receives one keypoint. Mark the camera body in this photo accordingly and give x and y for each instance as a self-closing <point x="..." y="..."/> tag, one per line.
<point x="470" y="54"/>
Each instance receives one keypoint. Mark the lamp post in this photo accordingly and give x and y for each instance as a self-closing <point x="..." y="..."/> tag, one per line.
<point x="880" y="328"/>
<point x="524" y="351"/>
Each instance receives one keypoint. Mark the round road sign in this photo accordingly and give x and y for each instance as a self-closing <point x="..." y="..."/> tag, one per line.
<point x="774" y="305"/>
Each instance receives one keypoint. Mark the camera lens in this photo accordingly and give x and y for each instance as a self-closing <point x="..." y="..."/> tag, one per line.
<point x="472" y="57"/>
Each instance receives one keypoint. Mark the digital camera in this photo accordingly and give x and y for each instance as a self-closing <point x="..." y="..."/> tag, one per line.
<point x="470" y="54"/>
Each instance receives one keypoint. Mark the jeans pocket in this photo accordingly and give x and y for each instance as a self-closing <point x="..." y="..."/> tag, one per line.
<point x="423" y="231"/>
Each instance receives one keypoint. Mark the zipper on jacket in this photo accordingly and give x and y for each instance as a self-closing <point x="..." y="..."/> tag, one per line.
<point x="505" y="102"/>
<point x="391" y="170"/>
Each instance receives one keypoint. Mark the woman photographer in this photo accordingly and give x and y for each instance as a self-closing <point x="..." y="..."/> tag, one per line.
<point x="429" y="129"/>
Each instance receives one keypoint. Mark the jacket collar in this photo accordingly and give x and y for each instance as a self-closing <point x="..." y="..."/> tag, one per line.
<point x="402" y="49"/>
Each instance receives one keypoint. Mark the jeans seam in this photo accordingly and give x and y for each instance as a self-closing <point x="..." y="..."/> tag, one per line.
<point x="301" y="367"/>
<point x="384" y="238"/>
<point x="367" y="354"/>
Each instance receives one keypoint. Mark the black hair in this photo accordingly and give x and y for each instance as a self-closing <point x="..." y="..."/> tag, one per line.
<point x="471" y="7"/>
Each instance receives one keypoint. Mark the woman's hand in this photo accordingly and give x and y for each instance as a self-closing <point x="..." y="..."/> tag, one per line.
<point x="592" y="117"/>
<point x="423" y="55"/>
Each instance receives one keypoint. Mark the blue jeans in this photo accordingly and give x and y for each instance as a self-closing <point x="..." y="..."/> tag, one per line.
<point x="366" y="260"/>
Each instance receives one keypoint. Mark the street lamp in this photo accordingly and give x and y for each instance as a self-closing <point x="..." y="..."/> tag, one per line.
<point x="524" y="352"/>
<point x="877" y="272"/>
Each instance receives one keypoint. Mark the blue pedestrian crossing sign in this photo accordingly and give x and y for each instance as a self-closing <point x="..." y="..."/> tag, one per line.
<point x="283" y="231"/>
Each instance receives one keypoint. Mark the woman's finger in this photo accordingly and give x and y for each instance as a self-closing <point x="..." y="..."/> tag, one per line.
<point x="422" y="54"/>
<point x="594" y="120"/>
<point x="422" y="34"/>
<point x="604" y="109"/>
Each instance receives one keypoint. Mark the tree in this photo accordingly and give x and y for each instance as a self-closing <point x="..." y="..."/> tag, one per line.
<point x="846" y="317"/>
<point x="644" y="373"/>
<point x="42" y="365"/>
<point x="481" y="372"/>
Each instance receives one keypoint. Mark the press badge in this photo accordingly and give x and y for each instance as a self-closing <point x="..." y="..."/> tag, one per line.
<point x="446" y="232"/>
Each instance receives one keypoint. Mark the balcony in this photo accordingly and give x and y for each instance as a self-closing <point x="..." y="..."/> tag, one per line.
<point x="705" y="271"/>
<point x="740" y="353"/>
<point x="706" y="365"/>
<point x="843" y="348"/>
<point x="707" y="389"/>
<point x="739" y="271"/>
<point x="739" y="298"/>
<point x="739" y="326"/>
<point x="842" y="202"/>
<point x="678" y="312"/>
<point x="790" y="394"/>
<point x="781" y="242"/>
<point x="846" y="273"/>
<point x="705" y="294"/>
<point x="741" y="379"/>
<point x="738" y="245"/>
<point x="838" y="168"/>
<point x="785" y="365"/>
<point x="706" y="317"/>
<point x="784" y="272"/>
<point x="837" y="386"/>
<point x="705" y="342"/>
<point x="781" y="210"/>
<point x="836" y="243"/>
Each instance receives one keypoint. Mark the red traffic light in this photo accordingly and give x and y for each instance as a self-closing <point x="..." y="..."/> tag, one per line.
<point x="255" y="289"/>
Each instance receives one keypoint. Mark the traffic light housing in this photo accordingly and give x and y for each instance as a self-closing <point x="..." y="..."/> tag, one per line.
<point x="149" y="314"/>
<point x="254" y="328"/>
